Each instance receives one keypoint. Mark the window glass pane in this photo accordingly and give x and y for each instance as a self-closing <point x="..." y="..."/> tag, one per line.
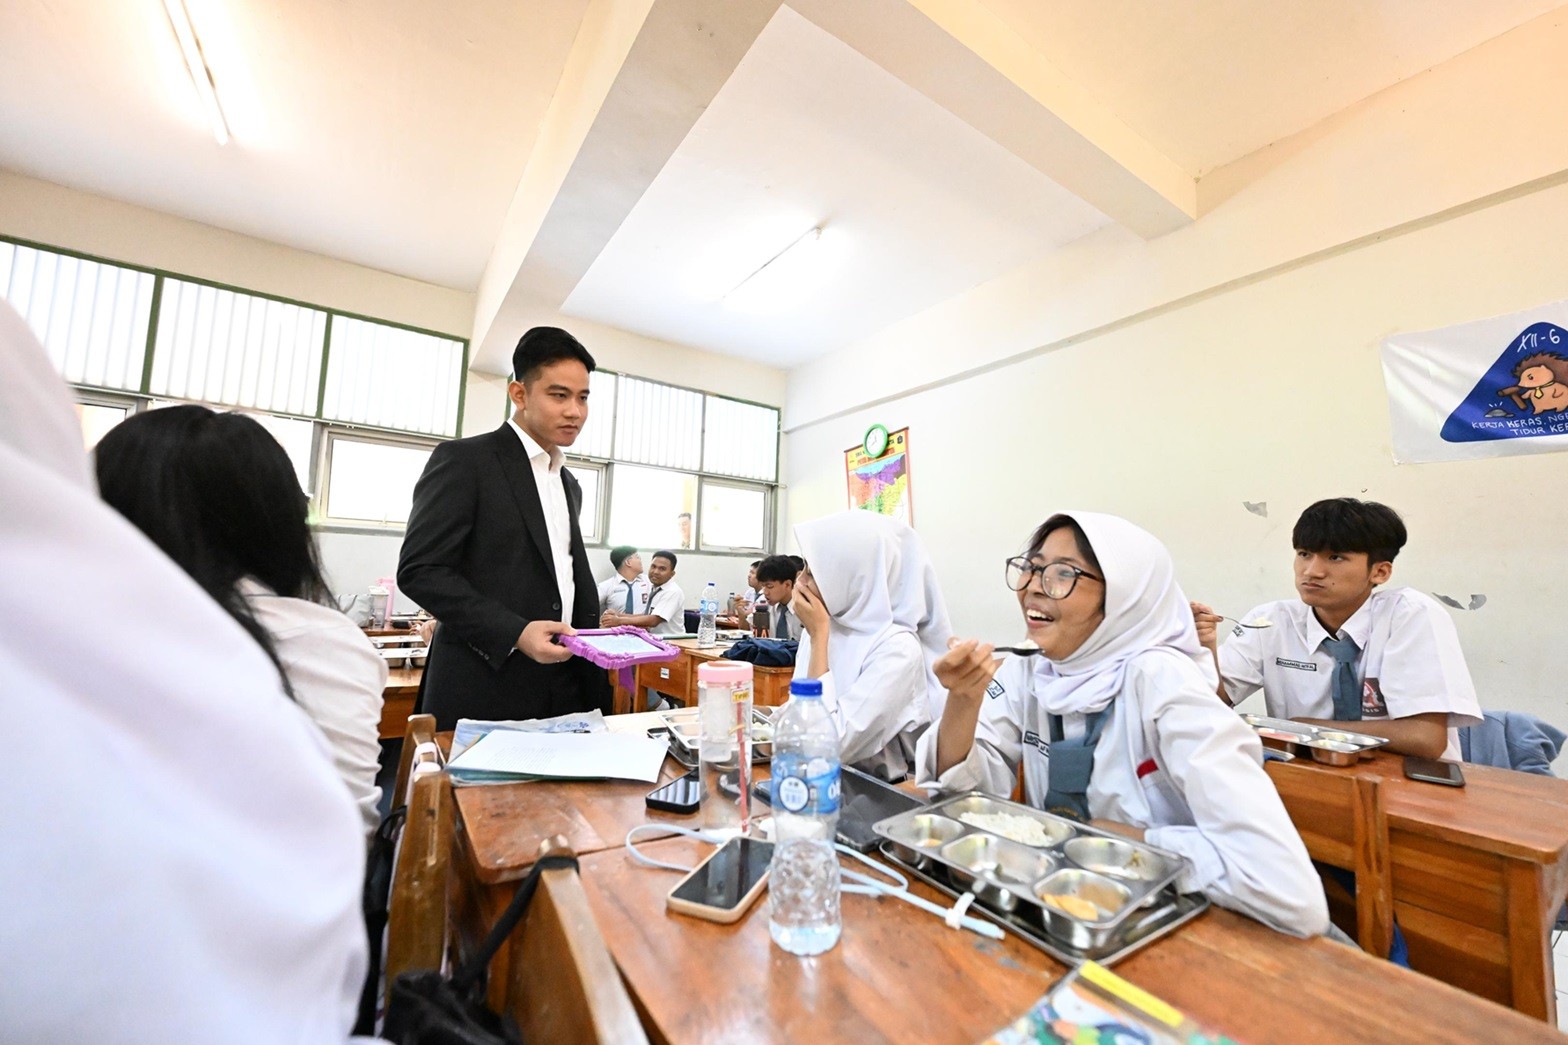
<point x="646" y="505"/>
<point x="219" y="346"/>
<point x="741" y="439"/>
<point x="96" y="420"/>
<point x="91" y="317"/>
<point x="372" y="482"/>
<point x="658" y="424"/>
<point x="392" y="378"/>
<point x="590" y="479"/>
<point x="733" y="516"/>
<point x="594" y="439"/>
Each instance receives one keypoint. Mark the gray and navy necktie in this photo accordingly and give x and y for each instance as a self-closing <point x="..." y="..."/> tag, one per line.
<point x="1345" y="687"/>
<point x="780" y="628"/>
<point x="629" y="605"/>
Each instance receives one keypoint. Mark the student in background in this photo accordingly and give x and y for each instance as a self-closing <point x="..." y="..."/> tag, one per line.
<point x="863" y="638"/>
<point x="220" y="497"/>
<point x="663" y="611"/>
<point x="683" y="524"/>
<point x="627" y="590"/>
<point x="777" y="575"/>
<point x="1116" y="722"/>
<point x="748" y="600"/>
<point x="180" y="863"/>
<point x="1385" y="661"/>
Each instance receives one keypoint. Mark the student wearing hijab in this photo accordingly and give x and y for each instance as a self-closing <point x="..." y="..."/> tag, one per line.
<point x="870" y="634"/>
<point x="1116" y="722"/>
<point x="180" y="861"/>
<point x="221" y="498"/>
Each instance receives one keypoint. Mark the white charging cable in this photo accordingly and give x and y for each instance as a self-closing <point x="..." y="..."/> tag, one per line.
<point x="851" y="881"/>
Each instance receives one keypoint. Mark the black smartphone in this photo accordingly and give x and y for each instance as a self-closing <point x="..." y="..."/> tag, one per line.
<point x="1434" y="771"/>
<point x="726" y="883"/>
<point x="681" y="795"/>
<point x="762" y="791"/>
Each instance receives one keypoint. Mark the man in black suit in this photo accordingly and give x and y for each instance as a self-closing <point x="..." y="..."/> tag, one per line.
<point x="493" y="550"/>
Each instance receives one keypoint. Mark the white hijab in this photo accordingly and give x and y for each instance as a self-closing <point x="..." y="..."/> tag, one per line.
<point x="186" y="858"/>
<point x="875" y="578"/>
<point x="1145" y="611"/>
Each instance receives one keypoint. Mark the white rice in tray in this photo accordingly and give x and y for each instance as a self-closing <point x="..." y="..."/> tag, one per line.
<point x="1025" y="829"/>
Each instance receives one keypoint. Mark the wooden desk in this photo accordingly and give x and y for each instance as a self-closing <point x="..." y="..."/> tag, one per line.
<point x="397" y="701"/>
<point x="1479" y="874"/>
<point x="770" y="686"/>
<point x="899" y="974"/>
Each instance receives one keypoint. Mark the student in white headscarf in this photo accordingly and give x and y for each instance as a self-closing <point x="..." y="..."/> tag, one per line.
<point x="873" y="622"/>
<point x="1116" y="722"/>
<point x="180" y="861"/>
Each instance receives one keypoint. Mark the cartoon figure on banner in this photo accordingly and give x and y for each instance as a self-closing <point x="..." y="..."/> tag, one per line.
<point x="1543" y="384"/>
<point x="1535" y="365"/>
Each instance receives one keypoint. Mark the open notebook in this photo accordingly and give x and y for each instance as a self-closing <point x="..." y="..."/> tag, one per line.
<point x="511" y="755"/>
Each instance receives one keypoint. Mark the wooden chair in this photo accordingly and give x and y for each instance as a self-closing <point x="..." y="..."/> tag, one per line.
<point x="564" y="985"/>
<point x="1341" y="819"/>
<point x="421" y="729"/>
<point x="417" y="909"/>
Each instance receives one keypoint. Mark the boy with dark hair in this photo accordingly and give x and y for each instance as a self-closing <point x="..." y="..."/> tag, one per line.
<point x="1384" y="661"/>
<point x="776" y="574"/>
<point x="663" y="609"/>
<point x="626" y="590"/>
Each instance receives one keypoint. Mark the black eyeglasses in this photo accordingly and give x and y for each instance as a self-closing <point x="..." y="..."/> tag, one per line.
<point x="1057" y="579"/>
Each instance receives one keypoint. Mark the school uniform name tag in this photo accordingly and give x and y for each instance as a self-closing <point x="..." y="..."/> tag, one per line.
<point x="994" y="690"/>
<point x="1036" y="741"/>
<point x="1299" y="665"/>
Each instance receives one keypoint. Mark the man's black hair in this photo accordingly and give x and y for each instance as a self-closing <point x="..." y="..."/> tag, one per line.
<point x="666" y="555"/>
<point x="1344" y="524"/>
<point x="800" y="564"/>
<point x="777" y="568"/>
<point x="756" y="564"/>
<point x="619" y="555"/>
<point x="540" y="347"/>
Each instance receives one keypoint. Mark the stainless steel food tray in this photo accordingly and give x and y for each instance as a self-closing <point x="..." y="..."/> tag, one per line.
<point x="1170" y="912"/>
<point x="686" y="734"/>
<point x="1326" y="744"/>
<point x="1101" y="882"/>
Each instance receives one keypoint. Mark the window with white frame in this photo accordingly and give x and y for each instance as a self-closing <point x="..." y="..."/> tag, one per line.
<point x="369" y="481"/>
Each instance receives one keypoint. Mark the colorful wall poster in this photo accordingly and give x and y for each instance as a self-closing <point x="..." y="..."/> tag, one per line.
<point x="881" y="484"/>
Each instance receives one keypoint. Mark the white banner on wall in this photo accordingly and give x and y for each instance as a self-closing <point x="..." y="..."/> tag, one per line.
<point x="1485" y="389"/>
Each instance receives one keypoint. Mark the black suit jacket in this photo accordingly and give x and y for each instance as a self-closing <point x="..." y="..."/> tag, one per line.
<point x="476" y="554"/>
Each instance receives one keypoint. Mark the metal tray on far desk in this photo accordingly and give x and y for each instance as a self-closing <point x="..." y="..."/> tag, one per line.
<point x="1332" y="747"/>
<point x="1169" y="912"/>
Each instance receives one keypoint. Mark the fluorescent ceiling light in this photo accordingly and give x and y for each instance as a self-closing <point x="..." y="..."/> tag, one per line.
<point x="196" y="65"/>
<point x="780" y="279"/>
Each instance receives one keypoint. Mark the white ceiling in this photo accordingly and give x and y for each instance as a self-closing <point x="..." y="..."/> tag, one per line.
<point x="1210" y="81"/>
<point x="385" y="132"/>
<point x="394" y="133"/>
<point x="916" y="206"/>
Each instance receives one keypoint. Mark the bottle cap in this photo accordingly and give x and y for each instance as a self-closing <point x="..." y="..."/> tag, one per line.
<point x="803" y="687"/>
<point x="722" y="672"/>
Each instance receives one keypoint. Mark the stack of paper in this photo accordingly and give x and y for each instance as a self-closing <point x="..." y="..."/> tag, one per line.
<point x="510" y="755"/>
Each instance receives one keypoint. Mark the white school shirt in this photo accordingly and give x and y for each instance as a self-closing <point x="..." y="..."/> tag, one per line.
<point x="669" y="602"/>
<point x="612" y="594"/>
<point x="881" y="713"/>
<point x="1410" y="662"/>
<point x="792" y="625"/>
<point x="338" y="678"/>
<point x="557" y="513"/>
<point x="1172" y="760"/>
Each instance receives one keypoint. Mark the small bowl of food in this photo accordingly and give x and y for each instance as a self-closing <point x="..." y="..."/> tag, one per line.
<point x="1076" y="905"/>
<point x="1115" y="858"/>
<point x="916" y="840"/>
<point x="995" y="870"/>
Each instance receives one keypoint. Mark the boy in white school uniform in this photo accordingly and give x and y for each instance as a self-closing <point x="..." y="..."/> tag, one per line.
<point x="1385" y="660"/>
<point x="627" y="591"/>
<point x="776" y="574"/>
<point x="663" y="610"/>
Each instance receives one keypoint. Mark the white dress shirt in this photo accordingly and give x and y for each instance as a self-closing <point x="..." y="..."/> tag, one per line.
<point x="792" y="625"/>
<point x="882" y="712"/>
<point x="557" y="513"/>
<point x="1173" y="760"/>
<point x="669" y="602"/>
<point x="338" y="678"/>
<point x="1410" y="662"/>
<point x="612" y="594"/>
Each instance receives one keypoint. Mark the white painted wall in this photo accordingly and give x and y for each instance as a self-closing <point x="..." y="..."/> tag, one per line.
<point x="1268" y="391"/>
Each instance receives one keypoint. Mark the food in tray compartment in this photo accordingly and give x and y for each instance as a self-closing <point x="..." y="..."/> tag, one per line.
<point x="1023" y="829"/>
<point x="1076" y="906"/>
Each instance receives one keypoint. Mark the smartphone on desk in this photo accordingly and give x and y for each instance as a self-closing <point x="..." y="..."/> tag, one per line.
<point x="1434" y="771"/>
<point x="681" y="795"/>
<point x="724" y="885"/>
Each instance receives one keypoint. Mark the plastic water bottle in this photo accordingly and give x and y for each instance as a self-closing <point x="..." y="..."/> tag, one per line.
<point x="708" y="627"/>
<point x="803" y="879"/>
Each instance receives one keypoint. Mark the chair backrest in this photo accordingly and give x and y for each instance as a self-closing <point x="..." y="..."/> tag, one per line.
<point x="418" y="906"/>
<point x="1342" y="822"/>
<point x="564" y="984"/>
<point x="421" y="730"/>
